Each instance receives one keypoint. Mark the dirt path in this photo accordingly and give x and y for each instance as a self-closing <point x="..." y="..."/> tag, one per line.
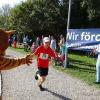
<point x="19" y="84"/>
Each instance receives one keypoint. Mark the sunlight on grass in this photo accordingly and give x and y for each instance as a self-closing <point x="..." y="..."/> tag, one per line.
<point x="81" y="67"/>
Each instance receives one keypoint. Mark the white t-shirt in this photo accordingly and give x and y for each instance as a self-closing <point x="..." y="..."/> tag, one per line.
<point x="98" y="51"/>
<point x="53" y="44"/>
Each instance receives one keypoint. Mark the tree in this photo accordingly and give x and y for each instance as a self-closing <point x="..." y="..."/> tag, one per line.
<point x="50" y="16"/>
<point x="4" y="16"/>
<point x="92" y="10"/>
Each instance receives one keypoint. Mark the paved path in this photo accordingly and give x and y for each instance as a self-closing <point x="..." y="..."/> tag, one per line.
<point x="19" y="84"/>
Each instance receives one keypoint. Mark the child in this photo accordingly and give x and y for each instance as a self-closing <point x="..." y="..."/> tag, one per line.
<point x="59" y="60"/>
<point x="43" y="53"/>
<point x="33" y="47"/>
<point x="63" y="54"/>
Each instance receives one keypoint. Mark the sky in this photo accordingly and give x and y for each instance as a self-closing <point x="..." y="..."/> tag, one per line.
<point x="10" y="2"/>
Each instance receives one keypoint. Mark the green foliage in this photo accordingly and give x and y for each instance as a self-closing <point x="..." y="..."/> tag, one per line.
<point x="38" y="16"/>
<point x="93" y="10"/>
<point x="4" y="16"/>
<point x="20" y="19"/>
<point x="50" y="16"/>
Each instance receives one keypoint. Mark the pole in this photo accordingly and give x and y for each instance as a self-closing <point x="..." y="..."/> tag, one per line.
<point x="68" y="25"/>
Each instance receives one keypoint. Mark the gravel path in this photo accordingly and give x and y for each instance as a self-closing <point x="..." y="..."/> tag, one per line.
<point x="19" y="84"/>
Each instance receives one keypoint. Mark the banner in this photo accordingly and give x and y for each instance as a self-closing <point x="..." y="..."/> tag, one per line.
<point x="83" y="37"/>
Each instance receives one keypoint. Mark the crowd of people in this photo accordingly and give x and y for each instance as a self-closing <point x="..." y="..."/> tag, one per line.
<point x="44" y="48"/>
<point x="58" y="46"/>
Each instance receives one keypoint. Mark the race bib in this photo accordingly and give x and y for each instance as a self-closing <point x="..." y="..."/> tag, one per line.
<point x="43" y="56"/>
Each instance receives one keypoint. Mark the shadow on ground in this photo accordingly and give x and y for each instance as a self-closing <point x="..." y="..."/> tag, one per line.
<point x="61" y="97"/>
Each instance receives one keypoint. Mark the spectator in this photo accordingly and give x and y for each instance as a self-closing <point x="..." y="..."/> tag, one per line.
<point x="25" y="43"/>
<point x="61" y="43"/>
<point x="10" y="41"/>
<point x="97" y="51"/>
<point x="53" y="43"/>
<point x="33" y="47"/>
<point x="15" y="41"/>
<point x="37" y="41"/>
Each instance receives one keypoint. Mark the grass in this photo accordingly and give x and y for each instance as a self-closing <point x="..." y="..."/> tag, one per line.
<point x="80" y="66"/>
<point x="21" y="50"/>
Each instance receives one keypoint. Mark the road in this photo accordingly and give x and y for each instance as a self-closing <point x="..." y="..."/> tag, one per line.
<point x="19" y="84"/>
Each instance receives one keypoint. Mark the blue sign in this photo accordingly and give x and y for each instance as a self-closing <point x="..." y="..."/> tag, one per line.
<point x="83" y="37"/>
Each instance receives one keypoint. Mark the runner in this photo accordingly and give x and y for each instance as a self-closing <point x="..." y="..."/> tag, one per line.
<point x="43" y="53"/>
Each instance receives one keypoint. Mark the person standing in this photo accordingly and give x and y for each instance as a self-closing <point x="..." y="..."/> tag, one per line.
<point x="15" y="41"/>
<point x="37" y="41"/>
<point x="43" y="53"/>
<point x="61" y="42"/>
<point x="33" y="47"/>
<point x="53" y="43"/>
<point x="97" y="51"/>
